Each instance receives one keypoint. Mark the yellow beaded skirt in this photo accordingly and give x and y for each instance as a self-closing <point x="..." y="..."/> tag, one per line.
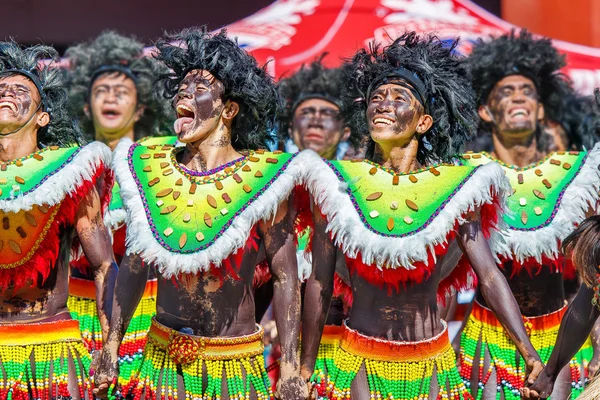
<point x="202" y="363"/>
<point x="38" y="358"/>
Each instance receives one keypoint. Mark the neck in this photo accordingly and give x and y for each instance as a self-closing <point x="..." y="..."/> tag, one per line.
<point x="112" y="143"/>
<point x="518" y="151"/>
<point x="18" y="145"/>
<point x="330" y="155"/>
<point x="400" y="159"/>
<point x="211" y="152"/>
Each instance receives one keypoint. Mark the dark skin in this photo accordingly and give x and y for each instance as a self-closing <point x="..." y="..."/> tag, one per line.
<point x="395" y="120"/>
<point x="219" y="308"/>
<point x="47" y="301"/>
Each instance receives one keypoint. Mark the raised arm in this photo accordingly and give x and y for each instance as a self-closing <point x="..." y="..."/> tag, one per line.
<point x="318" y="292"/>
<point x="280" y="249"/>
<point x="496" y="291"/>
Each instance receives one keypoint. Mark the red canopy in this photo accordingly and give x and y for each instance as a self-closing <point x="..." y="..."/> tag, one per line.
<point x="289" y="33"/>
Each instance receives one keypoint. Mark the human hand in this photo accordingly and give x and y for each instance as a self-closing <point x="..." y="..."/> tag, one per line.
<point x="294" y="388"/>
<point x="105" y="376"/>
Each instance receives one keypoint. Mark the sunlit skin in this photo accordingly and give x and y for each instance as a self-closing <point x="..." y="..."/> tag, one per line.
<point x="513" y="109"/>
<point x="47" y="301"/>
<point x="201" y="302"/>
<point x="396" y="119"/>
<point x="317" y="125"/>
<point x="113" y="107"/>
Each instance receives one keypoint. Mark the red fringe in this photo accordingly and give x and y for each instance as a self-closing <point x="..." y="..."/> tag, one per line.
<point x="342" y="291"/>
<point x="458" y="280"/>
<point x="304" y="219"/>
<point x="262" y="275"/>
<point x="533" y="267"/>
<point x="42" y="261"/>
<point x="490" y="214"/>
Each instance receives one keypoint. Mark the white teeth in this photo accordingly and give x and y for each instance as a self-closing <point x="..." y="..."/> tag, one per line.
<point x="9" y="104"/>
<point x="518" y="111"/>
<point x="382" y="121"/>
<point x="184" y="108"/>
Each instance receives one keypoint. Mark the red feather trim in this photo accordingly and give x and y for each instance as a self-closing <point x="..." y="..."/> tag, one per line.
<point x="40" y="264"/>
<point x="262" y="275"/>
<point x="533" y="267"/>
<point x="490" y="214"/>
<point x="304" y="218"/>
<point x="342" y="291"/>
<point x="458" y="280"/>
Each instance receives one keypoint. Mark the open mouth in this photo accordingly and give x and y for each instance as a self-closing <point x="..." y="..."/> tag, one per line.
<point x="383" y="121"/>
<point x="8" y="104"/>
<point x="185" y="116"/>
<point x="518" y="112"/>
<point x="110" y="113"/>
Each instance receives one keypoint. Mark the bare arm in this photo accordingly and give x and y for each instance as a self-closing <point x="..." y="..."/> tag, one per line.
<point x="129" y="289"/>
<point x="97" y="246"/>
<point x="496" y="291"/>
<point x="575" y="327"/>
<point x="280" y="250"/>
<point x="318" y="292"/>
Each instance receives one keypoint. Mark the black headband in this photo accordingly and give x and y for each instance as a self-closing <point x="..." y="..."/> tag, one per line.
<point x="417" y="85"/>
<point x="514" y="70"/>
<point x="33" y="78"/>
<point x="307" y="96"/>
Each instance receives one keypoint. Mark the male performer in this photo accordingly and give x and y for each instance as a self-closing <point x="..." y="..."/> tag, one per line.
<point x="48" y="195"/>
<point x="199" y="214"/>
<point x="394" y="216"/>
<point x="111" y="91"/>
<point x="518" y="84"/>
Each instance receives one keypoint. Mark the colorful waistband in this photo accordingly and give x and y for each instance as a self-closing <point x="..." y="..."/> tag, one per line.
<point x="184" y="348"/>
<point x="86" y="288"/>
<point x="40" y="333"/>
<point x="392" y="351"/>
<point x="332" y="334"/>
<point x="542" y="323"/>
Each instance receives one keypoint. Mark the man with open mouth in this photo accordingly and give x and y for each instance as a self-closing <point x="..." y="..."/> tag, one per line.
<point x="50" y="192"/>
<point x="517" y="81"/>
<point x="199" y="214"/>
<point x="111" y="91"/>
<point x="394" y="216"/>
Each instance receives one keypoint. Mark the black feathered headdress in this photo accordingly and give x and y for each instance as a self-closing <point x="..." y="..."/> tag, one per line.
<point x="50" y="81"/>
<point x="244" y="81"/>
<point x="114" y="53"/>
<point x="440" y="80"/>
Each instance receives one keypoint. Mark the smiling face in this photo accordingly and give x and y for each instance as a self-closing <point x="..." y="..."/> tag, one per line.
<point x="199" y="106"/>
<point x="19" y="99"/>
<point x="317" y="125"/>
<point x="395" y="115"/>
<point x="113" y="106"/>
<point x="513" y="107"/>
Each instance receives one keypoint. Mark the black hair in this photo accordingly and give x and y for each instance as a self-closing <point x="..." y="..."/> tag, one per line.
<point x="583" y="247"/>
<point x="39" y="61"/>
<point x="249" y="85"/>
<point x="112" y="53"/>
<point x="444" y="79"/>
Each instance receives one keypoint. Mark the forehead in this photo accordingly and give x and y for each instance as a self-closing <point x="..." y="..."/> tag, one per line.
<point x="199" y="75"/>
<point x="17" y="79"/>
<point x="514" y="80"/>
<point x="114" y="79"/>
<point x="317" y="103"/>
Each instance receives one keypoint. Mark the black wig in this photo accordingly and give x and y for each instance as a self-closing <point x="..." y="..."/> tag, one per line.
<point x="61" y="130"/>
<point x="448" y="97"/>
<point x="312" y="81"/>
<point x="113" y="53"/>
<point x="521" y="54"/>
<point x="244" y="81"/>
<point x="579" y="117"/>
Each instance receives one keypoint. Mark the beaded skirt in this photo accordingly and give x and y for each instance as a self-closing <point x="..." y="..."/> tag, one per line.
<point x="202" y="363"/>
<point x="330" y="342"/>
<point x="82" y="306"/>
<point x="484" y="331"/>
<point x="37" y="359"/>
<point x="396" y="370"/>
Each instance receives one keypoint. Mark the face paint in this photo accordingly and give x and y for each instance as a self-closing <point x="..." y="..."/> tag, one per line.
<point x="19" y="100"/>
<point x="317" y="125"/>
<point x="199" y="106"/>
<point x="393" y="113"/>
<point x="514" y="105"/>
<point x="113" y="105"/>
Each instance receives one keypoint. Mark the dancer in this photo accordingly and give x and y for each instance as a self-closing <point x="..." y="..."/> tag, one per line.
<point x="394" y="216"/>
<point x="50" y="191"/>
<point x="199" y="214"/>
<point x="518" y="84"/>
<point x="111" y="91"/>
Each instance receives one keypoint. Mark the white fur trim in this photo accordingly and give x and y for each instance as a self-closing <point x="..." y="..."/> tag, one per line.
<point x="53" y="191"/>
<point x="141" y="240"/>
<point x="304" y="265"/>
<point x="578" y="198"/>
<point x="350" y="233"/>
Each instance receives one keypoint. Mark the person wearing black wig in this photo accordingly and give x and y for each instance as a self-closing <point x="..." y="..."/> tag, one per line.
<point x="111" y="90"/>
<point x="199" y="214"/>
<point x="50" y="192"/>
<point x="394" y="216"/>
<point x="518" y="84"/>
